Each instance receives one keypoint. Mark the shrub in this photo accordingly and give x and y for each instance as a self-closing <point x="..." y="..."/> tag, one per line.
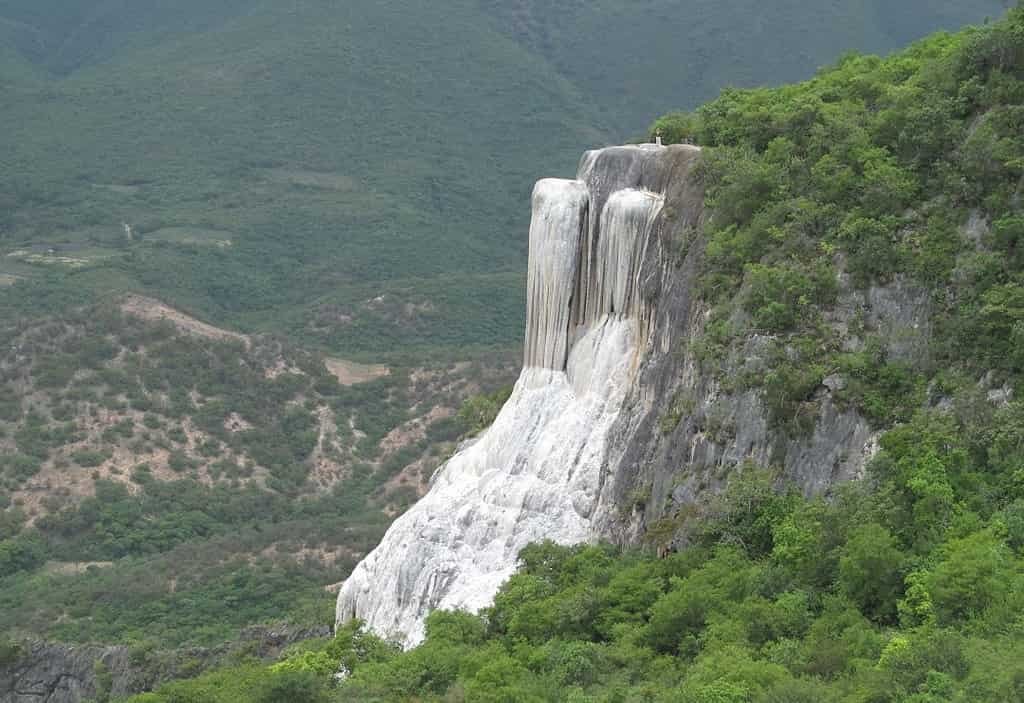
<point x="480" y="411"/>
<point x="89" y="458"/>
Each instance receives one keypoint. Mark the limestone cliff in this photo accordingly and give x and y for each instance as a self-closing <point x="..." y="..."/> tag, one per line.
<point x="614" y="426"/>
<point x="537" y="472"/>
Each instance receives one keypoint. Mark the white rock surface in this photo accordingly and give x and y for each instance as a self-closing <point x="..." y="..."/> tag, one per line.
<point x="559" y="216"/>
<point x="535" y="473"/>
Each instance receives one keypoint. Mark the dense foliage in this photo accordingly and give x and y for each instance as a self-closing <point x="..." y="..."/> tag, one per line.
<point x="480" y="411"/>
<point x="907" y="586"/>
<point x="182" y="563"/>
<point x="891" y="179"/>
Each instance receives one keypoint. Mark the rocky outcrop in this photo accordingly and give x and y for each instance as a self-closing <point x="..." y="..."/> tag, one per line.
<point x="615" y="425"/>
<point x="56" y="673"/>
<point x="45" y="672"/>
<point x="536" y="472"/>
<point x="686" y="427"/>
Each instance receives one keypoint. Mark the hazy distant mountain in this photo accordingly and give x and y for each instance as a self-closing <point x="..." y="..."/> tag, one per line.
<point x="349" y="151"/>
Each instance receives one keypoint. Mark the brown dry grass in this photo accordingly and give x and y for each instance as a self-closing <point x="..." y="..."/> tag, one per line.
<point x="155" y="311"/>
<point x="350" y="373"/>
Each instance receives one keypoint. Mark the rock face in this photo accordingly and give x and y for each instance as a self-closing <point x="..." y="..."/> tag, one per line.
<point x="56" y="673"/>
<point x="536" y="472"/>
<point x="613" y="427"/>
<point x="46" y="672"/>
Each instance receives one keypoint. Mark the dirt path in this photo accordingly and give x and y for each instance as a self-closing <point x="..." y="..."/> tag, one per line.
<point x="154" y="310"/>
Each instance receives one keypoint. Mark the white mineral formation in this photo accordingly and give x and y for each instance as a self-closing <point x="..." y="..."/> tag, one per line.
<point x="535" y="473"/>
<point x="559" y="215"/>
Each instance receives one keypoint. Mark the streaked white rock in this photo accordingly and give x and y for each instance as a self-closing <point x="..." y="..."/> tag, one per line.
<point x="535" y="473"/>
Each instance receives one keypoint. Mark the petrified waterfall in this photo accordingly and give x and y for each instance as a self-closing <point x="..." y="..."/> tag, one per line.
<point x="536" y="472"/>
<point x="559" y="215"/>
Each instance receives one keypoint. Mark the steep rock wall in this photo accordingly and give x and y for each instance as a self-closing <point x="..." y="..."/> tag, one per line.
<point x="536" y="472"/>
<point x="582" y="450"/>
<point x="685" y="429"/>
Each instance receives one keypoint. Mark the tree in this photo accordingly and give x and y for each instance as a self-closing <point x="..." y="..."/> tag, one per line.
<point x="294" y="687"/>
<point x="974" y="576"/>
<point x="22" y="553"/>
<point x="870" y="571"/>
<point x="502" y="680"/>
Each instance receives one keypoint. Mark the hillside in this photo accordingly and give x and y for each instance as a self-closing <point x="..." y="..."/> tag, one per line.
<point x="902" y="583"/>
<point x="281" y="167"/>
<point x="253" y="261"/>
<point x="275" y="175"/>
<point x="137" y="440"/>
<point x="693" y="49"/>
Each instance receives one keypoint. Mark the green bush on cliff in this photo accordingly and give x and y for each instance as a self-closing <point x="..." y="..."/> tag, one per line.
<point x="480" y="411"/>
<point x="903" y="169"/>
<point x="9" y="652"/>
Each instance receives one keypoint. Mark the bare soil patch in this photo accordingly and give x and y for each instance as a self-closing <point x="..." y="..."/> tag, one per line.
<point x="155" y="311"/>
<point x="73" y="568"/>
<point x="327" y="470"/>
<point x="349" y="373"/>
<point x="414" y="430"/>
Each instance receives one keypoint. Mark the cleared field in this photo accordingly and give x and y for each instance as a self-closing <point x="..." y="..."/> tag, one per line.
<point x="74" y="568"/>
<point x="349" y="373"/>
<point x="63" y="257"/>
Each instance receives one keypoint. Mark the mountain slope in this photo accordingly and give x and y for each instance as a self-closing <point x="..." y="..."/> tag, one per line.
<point x="349" y="152"/>
<point x="683" y="53"/>
<point x="862" y="265"/>
<point x="327" y="159"/>
<point x="63" y="37"/>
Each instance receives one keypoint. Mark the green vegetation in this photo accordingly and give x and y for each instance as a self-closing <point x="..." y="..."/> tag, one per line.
<point x="182" y="502"/>
<point x="480" y="411"/>
<point x="906" y="587"/>
<point x="283" y="170"/>
<point x="9" y="652"/>
<point x="898" y="177"/>
<point x="181" y="563"/>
